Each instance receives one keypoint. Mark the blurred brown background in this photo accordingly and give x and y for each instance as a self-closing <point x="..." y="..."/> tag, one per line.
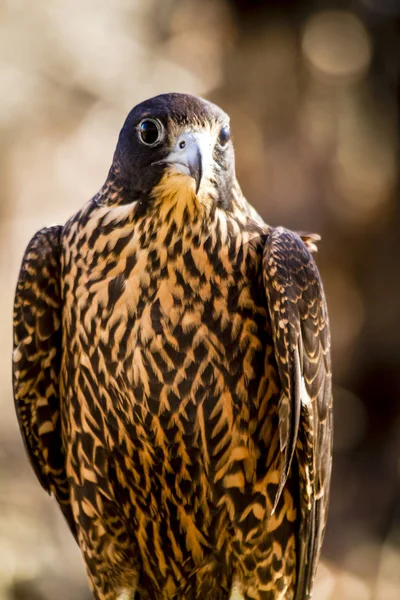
<point x="312" y="88"/>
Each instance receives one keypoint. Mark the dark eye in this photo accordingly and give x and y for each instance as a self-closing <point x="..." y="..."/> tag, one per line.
<point x="224" y="135"/>
<point x="150" y="131"/>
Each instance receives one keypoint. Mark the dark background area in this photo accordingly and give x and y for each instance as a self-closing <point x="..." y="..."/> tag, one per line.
<point x="313" y="93"/>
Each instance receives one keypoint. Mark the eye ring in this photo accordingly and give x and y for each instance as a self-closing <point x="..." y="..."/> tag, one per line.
<point x="224" y="136"/>
<point x="150" y="131"/>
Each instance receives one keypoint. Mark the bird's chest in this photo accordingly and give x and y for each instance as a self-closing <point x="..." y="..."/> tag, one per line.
<point x="167" y="354"/>
<point x="166" y="323"/>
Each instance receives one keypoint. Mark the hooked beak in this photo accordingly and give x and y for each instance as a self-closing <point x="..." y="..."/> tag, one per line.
<point x="186" y="156"/>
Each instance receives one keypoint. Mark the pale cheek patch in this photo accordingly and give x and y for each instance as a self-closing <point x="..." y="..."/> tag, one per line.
<point x="206" y="143"/>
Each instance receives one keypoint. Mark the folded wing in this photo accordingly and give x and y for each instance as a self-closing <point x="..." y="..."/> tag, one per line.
<point x="300" y="328"/>
<point x="36" y="363"/>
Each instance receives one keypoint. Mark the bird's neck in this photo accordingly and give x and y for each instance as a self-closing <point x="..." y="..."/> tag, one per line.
<point x="173" y="204"/>
<point x="116" y="191"/>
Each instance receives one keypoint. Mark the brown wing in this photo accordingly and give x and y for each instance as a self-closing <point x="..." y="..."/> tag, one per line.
<point x="36" y="363"/>
<point x="300" y="326"/>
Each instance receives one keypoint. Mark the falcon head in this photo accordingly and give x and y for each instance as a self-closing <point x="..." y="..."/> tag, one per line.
<point x="176" y="146"/>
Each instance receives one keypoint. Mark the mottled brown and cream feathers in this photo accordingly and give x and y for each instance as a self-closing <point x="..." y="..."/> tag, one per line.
<point x="172" y="374"/>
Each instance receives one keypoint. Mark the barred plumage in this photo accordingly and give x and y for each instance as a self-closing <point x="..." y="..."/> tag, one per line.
<point x="172" y="374"/>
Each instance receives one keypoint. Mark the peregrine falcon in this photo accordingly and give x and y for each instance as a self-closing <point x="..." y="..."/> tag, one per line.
<point x="172" y="374"/>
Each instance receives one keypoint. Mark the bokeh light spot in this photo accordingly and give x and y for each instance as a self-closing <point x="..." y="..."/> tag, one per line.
<point x="336" y="46"/>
